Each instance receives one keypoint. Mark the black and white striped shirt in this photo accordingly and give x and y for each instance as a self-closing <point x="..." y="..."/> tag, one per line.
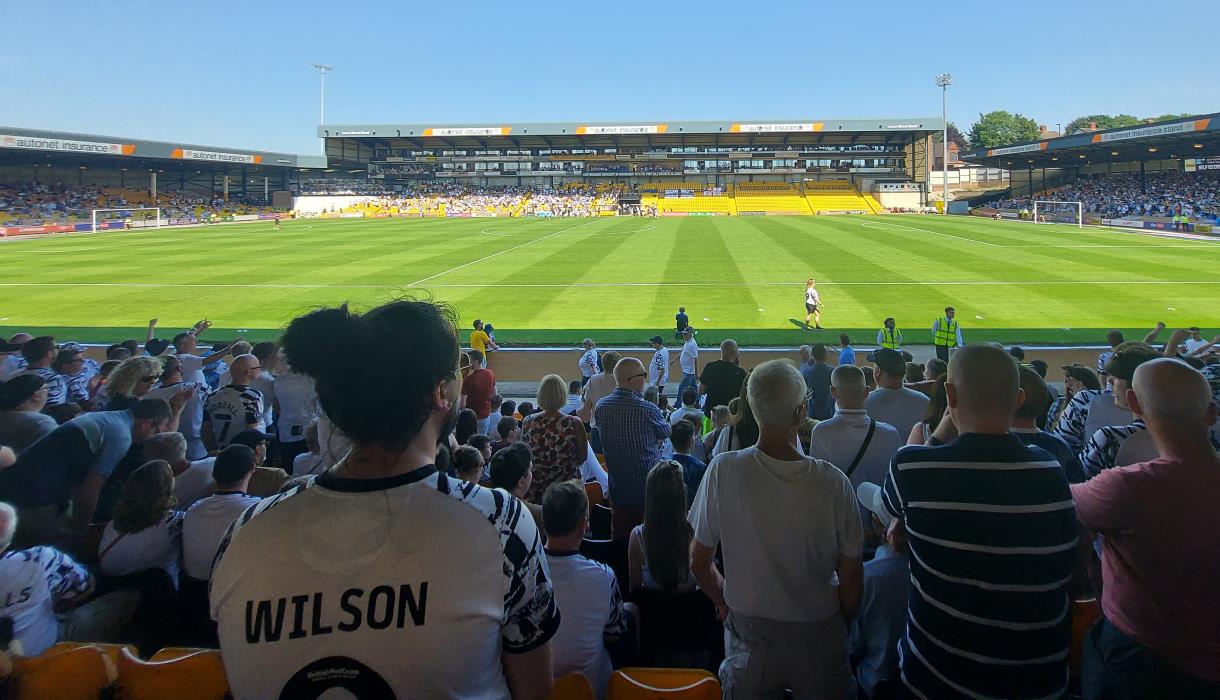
<point x="992" y="530"/>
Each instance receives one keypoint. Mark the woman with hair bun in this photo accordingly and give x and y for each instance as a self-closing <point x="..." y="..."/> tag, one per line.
<point x="382" y="558"/>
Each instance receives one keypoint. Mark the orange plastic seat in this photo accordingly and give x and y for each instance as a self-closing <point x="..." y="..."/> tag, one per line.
<point x="663" y="683"/>
<point x="594" y="491"/>
<point x="81" y="673"/>
<point x="196" y="676"/>
<point x="1084" y="614"/>
<point x="168" y="653"/>
<point x="110" y="651"/>
<point x="574" y="686"/>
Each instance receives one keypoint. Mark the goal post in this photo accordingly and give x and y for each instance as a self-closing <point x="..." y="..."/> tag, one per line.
<point x="143" y="217"/>
<point x="1044" y="208"/>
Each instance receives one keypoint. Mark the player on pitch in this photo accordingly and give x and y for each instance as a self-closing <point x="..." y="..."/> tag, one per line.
<point x="813" y="305"/>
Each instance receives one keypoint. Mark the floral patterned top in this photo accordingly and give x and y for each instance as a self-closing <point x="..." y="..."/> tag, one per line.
<point x="554" y="443"/>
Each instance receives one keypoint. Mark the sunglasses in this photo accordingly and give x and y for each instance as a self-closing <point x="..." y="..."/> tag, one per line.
<point x="637" y="376"/>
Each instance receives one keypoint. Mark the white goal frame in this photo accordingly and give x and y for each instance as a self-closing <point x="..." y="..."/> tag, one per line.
<point x="93" y="215"/>
<point x="1079" y="212"/>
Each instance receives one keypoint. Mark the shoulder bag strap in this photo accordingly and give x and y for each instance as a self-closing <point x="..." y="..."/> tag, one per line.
<point x="872" y="428"/>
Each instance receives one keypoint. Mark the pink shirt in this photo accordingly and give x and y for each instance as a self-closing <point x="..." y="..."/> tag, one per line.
<point x="1161" y="558"/>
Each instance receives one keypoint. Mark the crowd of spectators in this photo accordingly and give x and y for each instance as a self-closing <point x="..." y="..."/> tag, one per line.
<point x="874" y="529"/>
<point x="34" y="204"/>
<point x="456" y="199"/>
<point x="1164" y="194"/>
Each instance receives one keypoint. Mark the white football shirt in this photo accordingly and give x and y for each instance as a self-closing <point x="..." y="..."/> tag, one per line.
<point x="191" y="423"/>
<point x="659" y="366"/>
<point x="205" y="525"/>
<point x="298" y="405"/>
<point x="689" y="356"/>
<point x="231" y="409"/>
<point x="811" y="296"/>
<point x="409" y="586"/>
<point x="32" y="581"/>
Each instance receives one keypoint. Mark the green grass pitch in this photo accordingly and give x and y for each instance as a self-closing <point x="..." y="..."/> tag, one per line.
<point x="620" y="280"/>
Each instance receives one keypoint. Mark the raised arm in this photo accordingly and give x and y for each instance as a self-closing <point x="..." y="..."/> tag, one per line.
<point x="1152" y="334"/>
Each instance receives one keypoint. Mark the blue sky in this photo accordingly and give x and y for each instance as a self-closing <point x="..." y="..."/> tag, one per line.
<point x="239" y="74"/>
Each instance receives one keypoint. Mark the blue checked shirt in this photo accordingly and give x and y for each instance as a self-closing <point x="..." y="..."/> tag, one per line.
<point x="632" y="431"/>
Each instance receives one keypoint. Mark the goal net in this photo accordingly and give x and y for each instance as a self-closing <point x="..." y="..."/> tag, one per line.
<point x="126" y="217"/>
<point x="1059" y="213"/>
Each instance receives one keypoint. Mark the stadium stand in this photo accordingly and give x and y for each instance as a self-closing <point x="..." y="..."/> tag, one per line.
<point x="1165" y="194"/>
<point x="838" y="196"/>
<point x="770" y="198"/>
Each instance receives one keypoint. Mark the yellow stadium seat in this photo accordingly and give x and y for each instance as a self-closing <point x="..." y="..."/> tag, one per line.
<point x="81" y="673"/>
<point x="574" y="686"/>
<point x="663" y="683"/>
<point x="197" y="676"/>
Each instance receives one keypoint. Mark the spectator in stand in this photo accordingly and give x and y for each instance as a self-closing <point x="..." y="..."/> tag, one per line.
<point x="1090" y="410"/>
<point x="22" y="399"/>
<point x="478" y="389"/>
<point x="191" y="422"/>
<point x="877" y="630"/>
<point x="187" y="344"/>
<point x="62" y="413"/>
<point x="688" y="361"/>
<point x="132" y="380"/>
<point x="1101" y="451"/>
<point x="14" y="360"/>
<point x="208" y="519"/>
<point x="721" y="415"/>
<point x="1025" y="426"/>
<point x="266" y="481"/>
<point x="508" y="431"/>
<point x="585" y="590"/>
<point x="689" y="398"/>
<point x="721" y="380"/>
<point x="658" y="366"/>
<point x="39" y="353"/>
<point x="511" y="469"/>
<point x="804" y="356"/>
<point x="34" y="583"/>
<point x="146" y="531"/>
<point x="557" y="442"/>
<point x="992" y="532"/>
<point x="599" y="387"/>
<point x="575" y="400"/>
<point x="847" y="354"/>
<point x="1114" y="338"/>
<point x="467" y="425"/>
<point x="310" y="462"/>
<point x="72" y="462"/>
<point x="779" y="600"/>
<point x="267" y="353"/>
<point x="468" y="464"/>
<point x="859" y="444"/>
<point x="69" y="364"/>
<point x="1076" y="378"/>
<point x="192" y="480"/>
<point x="632" y="431"/>
<point x="348" y="522"/>
<point x="682" y="436"/>
<point x="1157" y="636"/>
<point x="297" y="408"/>
<point x="817" y="378"/>
<point x="660" y="561"/>
<point x="892" y="402"/>
<point x="934" y="419"/>
<point x="235" y="407"/>
<point x="588" y="361"/>
<point x="742" y="429"/>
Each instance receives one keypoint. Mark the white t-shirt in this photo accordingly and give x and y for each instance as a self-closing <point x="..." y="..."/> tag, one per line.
<point x="689" y="356"/>
<point x="32" y="581"/>
<point x="191" y="423"/>
<point x="659" y="366"/>
<point x="588" y="596"/>
<point x="685" y="411"/>
<point x="265" y="383"/>
<point x="811" y="296"/>
<point x="1193" y="345"/>
<point x="156" y="547"/>
<point x="599" y="387"/>
<point x="745" y="499"/>
<point x="588" y="362"/>
<point x="901" y="408"/>
<point x="307" y="464"/>
<point x="298" y="405"/>
<point x="408" y="586"/>
<point x="205" y="525"/>
<point x="12" y="365"/>
<point x="192" y="368"/>
<point x="592" y="470"/>
<point x="194" y="483"/>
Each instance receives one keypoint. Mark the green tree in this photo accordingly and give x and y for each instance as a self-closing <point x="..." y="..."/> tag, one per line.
<point x="1167" y="117"/>
<point x="1000" y="128"/>
<point x="955" y="136"/>
<point x="1103" y="121"/>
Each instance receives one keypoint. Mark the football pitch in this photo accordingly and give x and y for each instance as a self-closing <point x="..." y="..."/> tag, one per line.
<point x="620" y="280"/>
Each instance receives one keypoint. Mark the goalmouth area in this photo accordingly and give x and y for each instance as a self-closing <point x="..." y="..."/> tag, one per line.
<point x="552" y="282"/>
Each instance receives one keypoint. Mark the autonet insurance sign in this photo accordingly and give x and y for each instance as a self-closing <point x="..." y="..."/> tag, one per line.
<point x="37" y="143"/>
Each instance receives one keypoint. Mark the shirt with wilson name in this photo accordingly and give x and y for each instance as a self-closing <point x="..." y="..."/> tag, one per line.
<point x="992" y="533"/>
<point x="407" y="586"/>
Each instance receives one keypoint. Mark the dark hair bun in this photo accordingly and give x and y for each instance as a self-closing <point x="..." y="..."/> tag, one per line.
<point x="318" y="343"/>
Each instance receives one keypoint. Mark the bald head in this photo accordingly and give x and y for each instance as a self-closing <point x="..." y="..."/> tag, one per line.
<point x="728" y="350"/>
<point x="21" y="338"/>
<point x="1170" y="390"/>
<point x="849" y="387"/>
<point x="8" y="525"/>
<point x="244" y="369"/>
<point x="629" y="374"/>
<point x="982" y="385"/>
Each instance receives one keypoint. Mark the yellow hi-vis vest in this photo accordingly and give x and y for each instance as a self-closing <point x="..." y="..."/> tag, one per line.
<point x="891" y="339"/>
<point x="946" y="332"/>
